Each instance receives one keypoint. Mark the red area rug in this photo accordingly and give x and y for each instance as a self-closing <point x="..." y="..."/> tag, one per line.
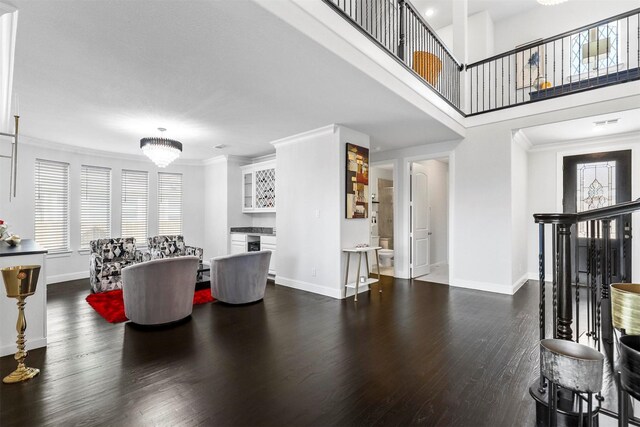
<point x="110" y="305"/>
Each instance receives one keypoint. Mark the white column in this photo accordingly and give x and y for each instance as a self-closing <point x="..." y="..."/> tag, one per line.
<point x="8" y="25"/>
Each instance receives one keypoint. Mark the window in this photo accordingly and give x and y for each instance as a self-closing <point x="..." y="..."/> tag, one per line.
<point x="596" y="189"/>
<point x="169" y="203"/>
<point x="52" y="205"/>
<point x="594" y="50"/>
<point x="135" y="204"/>
<point x="95" y="204"/>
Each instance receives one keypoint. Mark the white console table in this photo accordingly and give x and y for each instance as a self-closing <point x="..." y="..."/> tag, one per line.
<point x="364" y="250"/>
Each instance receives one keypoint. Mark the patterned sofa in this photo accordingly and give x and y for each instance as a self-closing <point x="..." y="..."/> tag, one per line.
<point x="108" y="258"/>
<point x="171" y="246"/>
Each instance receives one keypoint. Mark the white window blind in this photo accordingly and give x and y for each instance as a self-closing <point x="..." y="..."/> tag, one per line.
<point x="95" y="204"/>
<point x="52" y="205"/>
<point x="169" y="203"/>
<point x="135" y="205"/>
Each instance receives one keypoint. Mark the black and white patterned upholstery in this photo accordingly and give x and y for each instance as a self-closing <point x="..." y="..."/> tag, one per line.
<point x="173" y="246"/>
<point x="108" y="258"/>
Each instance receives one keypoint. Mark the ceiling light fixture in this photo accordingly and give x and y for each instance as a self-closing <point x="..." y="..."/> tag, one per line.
<point x="430" y="12"/>
<point x="162" y="151"/>
<point x="551" y="2"/>
<point x="220" y="146"/>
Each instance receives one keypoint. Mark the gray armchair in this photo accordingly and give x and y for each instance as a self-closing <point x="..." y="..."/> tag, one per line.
<point x="159" y="291"/>
<point x="240" y="278"/>
<point x="107" y="259"/>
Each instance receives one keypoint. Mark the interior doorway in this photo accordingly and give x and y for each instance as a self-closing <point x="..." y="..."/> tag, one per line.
<point x="429" y="219"/>
<point x="381" y="178"/>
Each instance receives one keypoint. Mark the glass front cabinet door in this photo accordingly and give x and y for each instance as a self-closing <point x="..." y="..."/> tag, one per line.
<point x="259" y="187"/>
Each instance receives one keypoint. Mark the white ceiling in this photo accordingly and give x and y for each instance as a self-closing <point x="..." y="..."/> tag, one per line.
<point x="498" y="9"/>
<point x="103" y="74"/>
<point x="584" y="128"/>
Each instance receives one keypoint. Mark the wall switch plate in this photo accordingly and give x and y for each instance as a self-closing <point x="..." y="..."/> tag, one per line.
<point x="317" y="213"/>
<point x="313" y="272"/>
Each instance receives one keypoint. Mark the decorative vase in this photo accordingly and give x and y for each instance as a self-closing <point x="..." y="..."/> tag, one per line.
<point x="625" y="307"/>
<point x="20" y="282"/>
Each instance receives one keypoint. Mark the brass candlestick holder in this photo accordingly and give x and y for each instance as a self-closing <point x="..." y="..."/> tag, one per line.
<point x="20" y="282"/>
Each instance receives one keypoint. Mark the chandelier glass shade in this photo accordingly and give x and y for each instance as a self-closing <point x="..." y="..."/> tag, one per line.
<point x="551" y="2"/>
<point x="162" y="151"/>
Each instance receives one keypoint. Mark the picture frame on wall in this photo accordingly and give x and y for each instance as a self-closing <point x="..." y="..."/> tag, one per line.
<point x="357" y="182"/>
<point x="530" y="66"/>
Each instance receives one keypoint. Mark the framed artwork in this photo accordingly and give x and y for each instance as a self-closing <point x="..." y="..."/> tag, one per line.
<point x="529" y="67"/>
<point x="357" y="178"/>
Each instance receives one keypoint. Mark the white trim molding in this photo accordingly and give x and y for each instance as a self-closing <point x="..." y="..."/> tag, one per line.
<point x="318" y="289"/>
<point x="329" y="129"/>
<point x="58" y="278"/>
<point x="489" y="287"/>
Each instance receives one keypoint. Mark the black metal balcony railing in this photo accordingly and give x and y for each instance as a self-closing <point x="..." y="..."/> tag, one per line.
<point x="605" y="258"/>
<point x="595" y="55"/>
<point x="397" y="27"/>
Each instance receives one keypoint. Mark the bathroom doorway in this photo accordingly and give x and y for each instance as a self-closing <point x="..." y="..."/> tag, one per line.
<point x="381" y="178"/>
<point x="429" y="220"/>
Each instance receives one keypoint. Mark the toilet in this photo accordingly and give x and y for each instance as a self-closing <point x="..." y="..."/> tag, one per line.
<point x="385" y="254"/>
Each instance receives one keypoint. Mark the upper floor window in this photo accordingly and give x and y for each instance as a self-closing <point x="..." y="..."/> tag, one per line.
<point x="594" y="50"/>
<point x="95" y="204"/>
<point x="135" y="205"/>
<point x="52" y="205"/>
<point x="169" y="203"/>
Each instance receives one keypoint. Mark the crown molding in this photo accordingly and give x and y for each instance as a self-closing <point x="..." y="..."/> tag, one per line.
<point x="329" y="129"/>
<point x="59" y="146"/>
<point x="631" y="137"/>
<point x="521" y="139"/>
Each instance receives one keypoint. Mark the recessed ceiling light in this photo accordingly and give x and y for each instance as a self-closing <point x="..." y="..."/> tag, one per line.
<point x="219" y="146"/>
<point x="430" y="12"/>
<point x="378" y="148"/>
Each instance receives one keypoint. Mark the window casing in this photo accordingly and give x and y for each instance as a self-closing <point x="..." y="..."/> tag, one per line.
<point x="169" y="203"/>
<point x="52" y="205"/>
<point x="135" y="205"/>
<point x="95" y="204"/>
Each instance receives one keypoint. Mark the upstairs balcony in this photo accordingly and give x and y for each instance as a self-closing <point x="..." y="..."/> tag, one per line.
<point x="593" y="56"/>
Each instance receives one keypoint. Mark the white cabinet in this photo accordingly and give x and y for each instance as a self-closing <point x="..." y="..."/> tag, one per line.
<point x="238" y="243"/>
<point x="259" y="187"/>
<point x="268" y="243"/>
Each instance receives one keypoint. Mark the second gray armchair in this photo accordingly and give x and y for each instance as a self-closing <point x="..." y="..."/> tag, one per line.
<point x="240" y="278"/>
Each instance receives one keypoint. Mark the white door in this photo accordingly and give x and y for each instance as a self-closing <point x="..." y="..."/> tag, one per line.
<point x="420" y="221"/>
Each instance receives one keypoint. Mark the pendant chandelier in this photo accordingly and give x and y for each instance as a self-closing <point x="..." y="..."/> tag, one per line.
<point x="162" y="151"/>
<point x="551" y="2"/>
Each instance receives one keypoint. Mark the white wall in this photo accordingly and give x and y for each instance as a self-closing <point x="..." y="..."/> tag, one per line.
<point x="545" y="188"/>
<point x="216" y="232"/>
<point x="74" y="265"/>
<point x="480" y="30"/>
<point x="311" y="224"/>
<point x="438" y="182"/>
<point x="520" y="220"/>
<point x="543" y="22"/>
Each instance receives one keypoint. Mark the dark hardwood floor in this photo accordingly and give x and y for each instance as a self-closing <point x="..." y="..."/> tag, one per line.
<point x="418" y="353"/>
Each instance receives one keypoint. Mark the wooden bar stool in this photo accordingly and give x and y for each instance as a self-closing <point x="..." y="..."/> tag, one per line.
<point x="574" y="367"/>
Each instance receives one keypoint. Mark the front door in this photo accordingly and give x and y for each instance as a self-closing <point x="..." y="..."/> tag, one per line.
<point x="597" y="180"/>
<point x="420" y="227"/>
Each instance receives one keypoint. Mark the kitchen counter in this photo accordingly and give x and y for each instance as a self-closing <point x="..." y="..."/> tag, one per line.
<point x="25" y="247"/>
<point x="254" y="231"/>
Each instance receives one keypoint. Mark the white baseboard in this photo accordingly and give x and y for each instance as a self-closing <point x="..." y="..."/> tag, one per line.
<point x="481" y="286"/>
<point x="518" y="283"/>
<point x="67" y="276"/>
<point x="437" y="264"/>
<point x="317" y="289"/>
<point x="32" y="343"/>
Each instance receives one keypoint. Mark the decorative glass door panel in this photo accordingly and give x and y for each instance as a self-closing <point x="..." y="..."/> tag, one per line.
<point x="247" y="191"/>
